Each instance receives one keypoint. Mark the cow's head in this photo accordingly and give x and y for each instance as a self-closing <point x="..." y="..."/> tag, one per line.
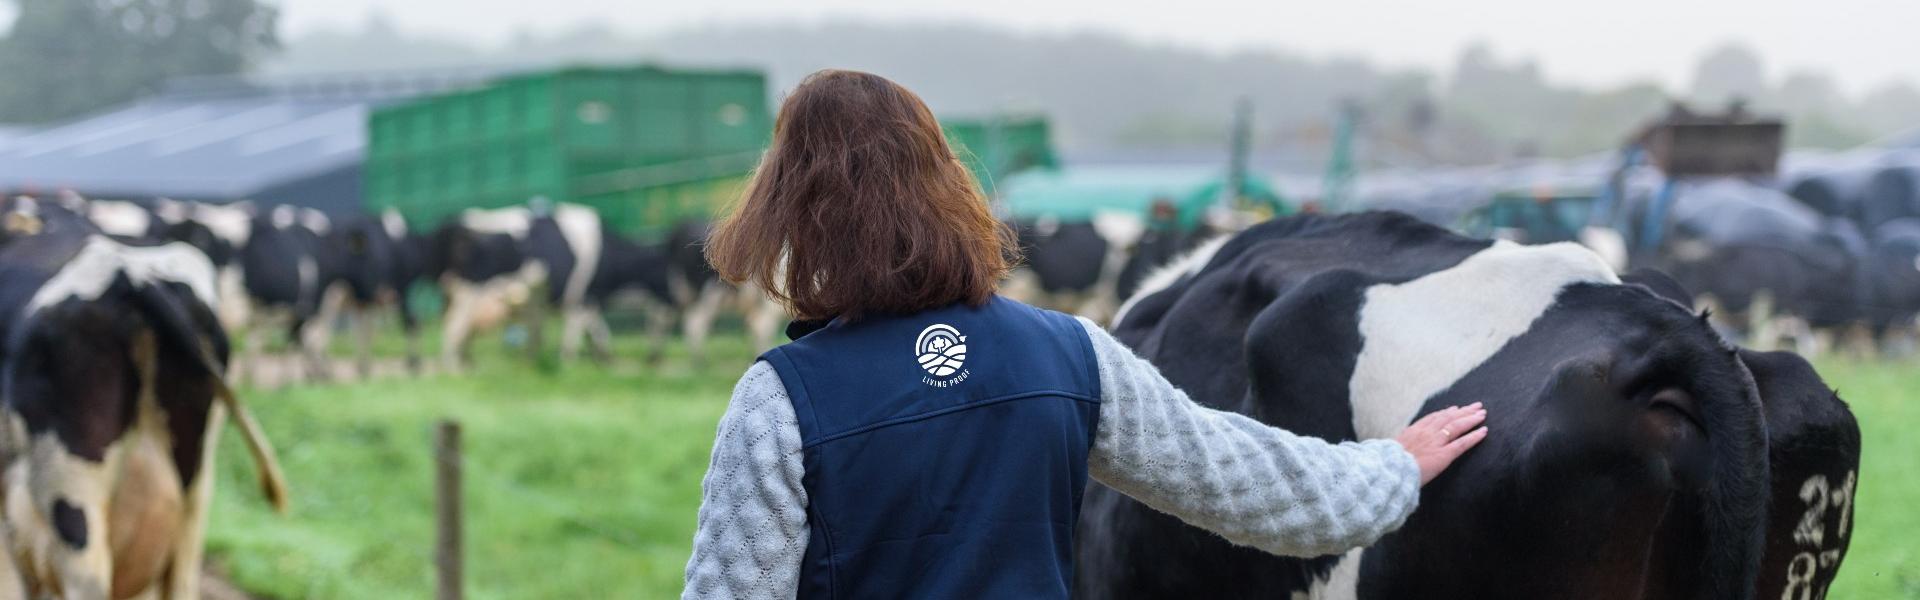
<point x="1813" y="452"/>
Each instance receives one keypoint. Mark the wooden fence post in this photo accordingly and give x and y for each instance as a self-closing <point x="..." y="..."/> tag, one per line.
<point x="446" y="554"/>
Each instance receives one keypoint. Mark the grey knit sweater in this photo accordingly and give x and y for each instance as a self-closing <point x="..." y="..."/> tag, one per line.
<point x="1252" y="484"/>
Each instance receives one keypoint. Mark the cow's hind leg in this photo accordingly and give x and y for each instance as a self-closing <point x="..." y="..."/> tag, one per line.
<point x="410" y="324"/>
<point x="659" y="321"/>
<point x="316" y="333"/>
<point x="69" y="496"/>
<point x="699" y="319"/>
<point x="457" y="325"/>
<point x="600" y="339"/>
<point x="183" y="575"/>
<point x="585" y="323"/>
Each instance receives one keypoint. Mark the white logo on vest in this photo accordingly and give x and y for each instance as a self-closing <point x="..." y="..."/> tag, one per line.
<point x="942" y="352"/>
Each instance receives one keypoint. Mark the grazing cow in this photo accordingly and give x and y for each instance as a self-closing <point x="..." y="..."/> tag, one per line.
<point x="380" y="262"/>
<point x="491" y="263"/>
<point x="293" y="282"/>
<point x="111" y="364"/>
<point x="1629" y="456"/>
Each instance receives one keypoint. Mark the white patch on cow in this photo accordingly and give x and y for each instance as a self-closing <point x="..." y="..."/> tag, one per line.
<point x="1165" y="276"/>
<point x="170" y="211"/>
<point x="1420" y="337"/>
<point x="44" y="473"/>
<point x="1342" y="583"/>
<point x="1607" y="243"/>
<point x="315" y="221"/>
<point x="395" y="225"/>
<point x="91" y="271"/>
<point x="580" y="227"/>
<point x="1047" y="225"/>
<point x="1120" y="229"/>
<point x="233" y="222"/>
<point x="117" y="217"/>
<point x="283" y="216"/>
<point x="512" y="220"/>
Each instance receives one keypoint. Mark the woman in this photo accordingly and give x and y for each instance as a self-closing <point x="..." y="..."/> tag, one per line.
<point x="924" y="438"/>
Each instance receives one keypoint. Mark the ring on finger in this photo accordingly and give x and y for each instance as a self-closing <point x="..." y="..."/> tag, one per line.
<point x="1445" y="432"/>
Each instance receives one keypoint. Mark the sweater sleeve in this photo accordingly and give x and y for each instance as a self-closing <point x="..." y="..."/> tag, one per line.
<point x="752" y="527"/>
<point x="1252" y="484"/>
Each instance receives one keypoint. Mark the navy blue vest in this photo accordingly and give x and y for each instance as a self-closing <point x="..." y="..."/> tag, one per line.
<point x="945" y="451"/>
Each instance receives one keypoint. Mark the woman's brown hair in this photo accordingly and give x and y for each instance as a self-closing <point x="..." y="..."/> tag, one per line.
<point x="860" y="207"/>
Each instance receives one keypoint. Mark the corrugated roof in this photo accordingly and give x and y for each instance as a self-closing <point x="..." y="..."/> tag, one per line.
<point x="220" y="137"/>
<point x="190" y="148"/>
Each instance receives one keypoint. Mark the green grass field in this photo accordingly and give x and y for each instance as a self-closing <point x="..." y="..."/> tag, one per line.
<point x="583" y="482"/>
<point x="580" y="483"/>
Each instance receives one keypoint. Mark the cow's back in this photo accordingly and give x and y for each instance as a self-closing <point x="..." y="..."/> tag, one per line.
<point x="1180" y="328"/>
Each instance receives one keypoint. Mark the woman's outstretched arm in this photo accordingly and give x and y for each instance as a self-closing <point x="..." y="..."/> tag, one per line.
<point x="1253" y="484"/>
<point x="752" y="530"/>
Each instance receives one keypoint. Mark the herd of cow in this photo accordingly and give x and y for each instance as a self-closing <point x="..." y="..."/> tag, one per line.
<point x="295" y="270"/>
<point x="115" y="355"/>
<point x="1822" y="264"/>
<point x="1636" y="454"/>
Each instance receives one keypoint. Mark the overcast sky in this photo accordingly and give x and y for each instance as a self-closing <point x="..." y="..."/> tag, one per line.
<point x="1862" y="43"/>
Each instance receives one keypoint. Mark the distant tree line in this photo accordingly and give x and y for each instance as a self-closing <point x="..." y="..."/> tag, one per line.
<point x="67" y="58"/>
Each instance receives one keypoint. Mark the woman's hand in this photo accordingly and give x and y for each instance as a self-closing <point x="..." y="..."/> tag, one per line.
<point x="1437" y="439"/>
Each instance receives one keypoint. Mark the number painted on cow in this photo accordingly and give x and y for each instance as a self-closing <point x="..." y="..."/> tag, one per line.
<point x="1843" y="499"/>
<point x="1812" y="529"/>
<point x="1803" y="574"/>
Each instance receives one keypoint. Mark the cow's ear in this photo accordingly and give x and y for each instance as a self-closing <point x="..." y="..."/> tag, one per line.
<point x="1661" y="284"/>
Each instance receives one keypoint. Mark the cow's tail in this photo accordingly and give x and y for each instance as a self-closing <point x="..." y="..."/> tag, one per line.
<point x="174" y="321"/>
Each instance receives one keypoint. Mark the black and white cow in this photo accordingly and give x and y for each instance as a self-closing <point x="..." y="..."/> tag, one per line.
<point x="494" y="264"/>
<point x="1632" y="453"/>
<point x="294" y="282"/>
<point x="1074" y="266"/>
<point x="278" y="269"/>
<point x="380" y="260"/>
<point x="111" y="379"/>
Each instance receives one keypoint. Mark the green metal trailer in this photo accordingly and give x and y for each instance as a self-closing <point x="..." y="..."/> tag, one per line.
<point x="997" y="147"/>
<point x="647" y="146"/>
